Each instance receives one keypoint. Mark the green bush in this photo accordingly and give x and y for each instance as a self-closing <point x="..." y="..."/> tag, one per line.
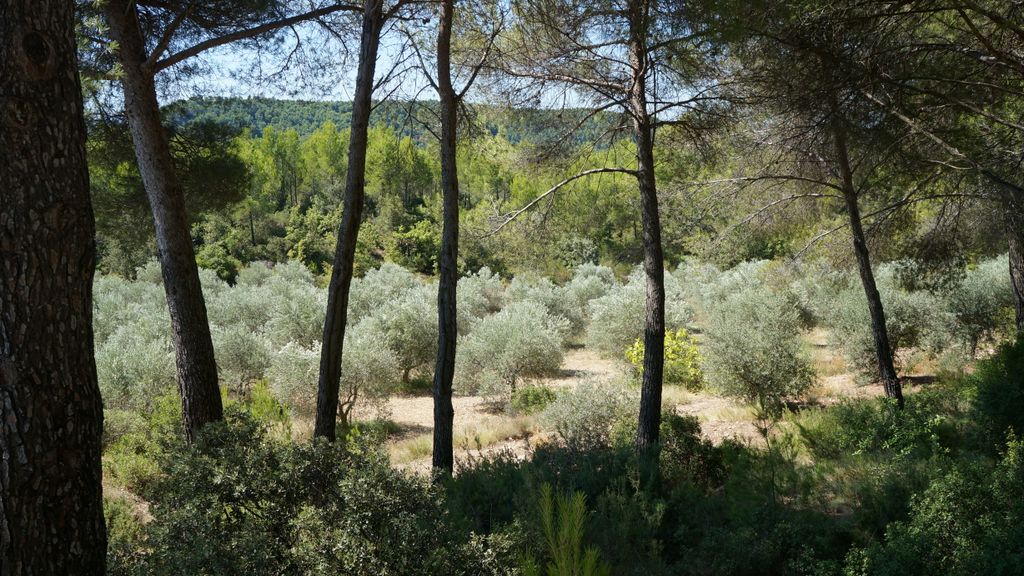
<point x="617" y="318"/>
<point x="408" y="326"/>
<point x="914" y="320"/>
<point x="379" y="289"/>
<point x="753" y="352"/>
<point x="682" y="360"/>
<point x="981" y="303"/>
<point x="134" y="371"/>
<point x="999" y="380"/>
<point x="531" y="399"/>
<point x="241" y="502"/>
<point x="971" y="521"/>
<point x="243" y="357"/>
<point x="521" y="341"/>
<point x="294" y="372"/>
<point x="586" y="416"/>
<point x="479" y="294"/>
<point x="555" y="299"/>
<point x="125" y="542"/>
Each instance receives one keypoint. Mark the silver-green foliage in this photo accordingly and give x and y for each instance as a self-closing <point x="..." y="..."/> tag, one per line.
<point x="243" y="356"/>
<point x="753" y="352"/>
<point x="479" y="294"/>
<point x="617" y="318"/>
<point x="134" y="369"/>
<point x="408" y="326"/>
<point x="585" y="416"/>
<point x="378" y="289"/>
<point x="521" y="341"/>
<point x="980" y="303"/>
<point x="915" y="321"/>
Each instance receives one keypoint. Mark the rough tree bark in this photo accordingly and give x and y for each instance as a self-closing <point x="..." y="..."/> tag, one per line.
<point x="883" y="349"/>
<point x="348" y="232"/>
<point x="654" y="324"/>
<point x="193" y="344"/>
<point x="51" y="415"/>
<point x="447" y="335"/>
<point x="1015" y="240"/>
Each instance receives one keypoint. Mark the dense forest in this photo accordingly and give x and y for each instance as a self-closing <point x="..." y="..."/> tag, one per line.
<point x="511" y="287"/>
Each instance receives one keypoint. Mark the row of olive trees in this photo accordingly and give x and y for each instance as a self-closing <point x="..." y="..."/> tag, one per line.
<point x="268" y="325"/>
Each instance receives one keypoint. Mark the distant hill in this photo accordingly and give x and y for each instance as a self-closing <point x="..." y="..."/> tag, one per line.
<point x="305" y="116"/>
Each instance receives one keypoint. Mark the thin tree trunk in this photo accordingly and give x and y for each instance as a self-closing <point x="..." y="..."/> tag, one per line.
<point x="654" y="267"/>
<point x="883" y="350"/>
<point x="51" y="415"/>
<point x="1015" y="240"/>
<point x="193" y="345"/>
<point x="447" y="334"/>
<point x="344" y="254"/>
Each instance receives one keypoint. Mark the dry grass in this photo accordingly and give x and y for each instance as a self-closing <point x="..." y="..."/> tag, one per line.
<point x="475" y="436"/>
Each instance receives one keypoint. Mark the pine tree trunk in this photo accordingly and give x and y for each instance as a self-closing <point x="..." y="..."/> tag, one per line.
<point x="1015" y="240"/>
<point x="51" y="415"/>
<point x="447" y="334"/>
<point x="654" y="267"/>
<point x="193" y="344"/>
<point x="883" y="349"/>
<point x="348" y="233"/>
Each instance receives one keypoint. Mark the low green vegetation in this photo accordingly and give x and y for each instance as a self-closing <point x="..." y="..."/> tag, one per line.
<point x="850" y="487"/>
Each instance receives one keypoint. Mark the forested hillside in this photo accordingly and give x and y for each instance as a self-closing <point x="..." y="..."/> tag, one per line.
<point x="406" y="118"/>
<point x="561" y="288"/>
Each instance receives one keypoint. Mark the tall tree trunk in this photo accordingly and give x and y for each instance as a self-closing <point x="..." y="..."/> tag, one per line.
<point x="1015" y="240"/>
<point x="348" y="233"/>
<point x="654" y="266"/>
<point x="883" y="350"/>
<point x="447" y="334"/>
<point x="51" y="415"/>
<point x="193" y="345"/>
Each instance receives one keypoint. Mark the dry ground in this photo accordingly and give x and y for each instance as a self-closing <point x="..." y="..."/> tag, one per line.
<point x="482" y="428"/>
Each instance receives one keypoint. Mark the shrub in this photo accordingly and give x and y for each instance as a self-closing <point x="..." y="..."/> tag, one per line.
<point x="118" y="303"/>
<point x="999" y="381"/>
<point x="554" y="298"/>
<point x="521" y="341"/>
<point x="980" y="303"/>
<point x="243" y="357"/>
<point x="240" y="502"/>
<point x="248" y="306"/>
<point x="682" y="360"/>
<point x="254" y="274"/>
<point x="409" y="328"/>
<point x="293" y="374"/>
<point x="369" y="370"/>
<point x="710" y="286"/>
<point x="378" y="290"/>
<point x="914" y="320"/>
<point x="479" y="295"/>
<point x="531" y="399"/>
<point x="617" y="318"/>
<point x="685" y="455"/>
<point x="125" y="543"/>
<point x="814" y="291"/>
<point x="752" y="351"/>
<point x="968" y="522"/>
<point x="297" y="312"/>
<point x="585" y="417"/>
<point x="133" y="371"/>
<point x="589" y="282"/>
<point x="875" y="426"/>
